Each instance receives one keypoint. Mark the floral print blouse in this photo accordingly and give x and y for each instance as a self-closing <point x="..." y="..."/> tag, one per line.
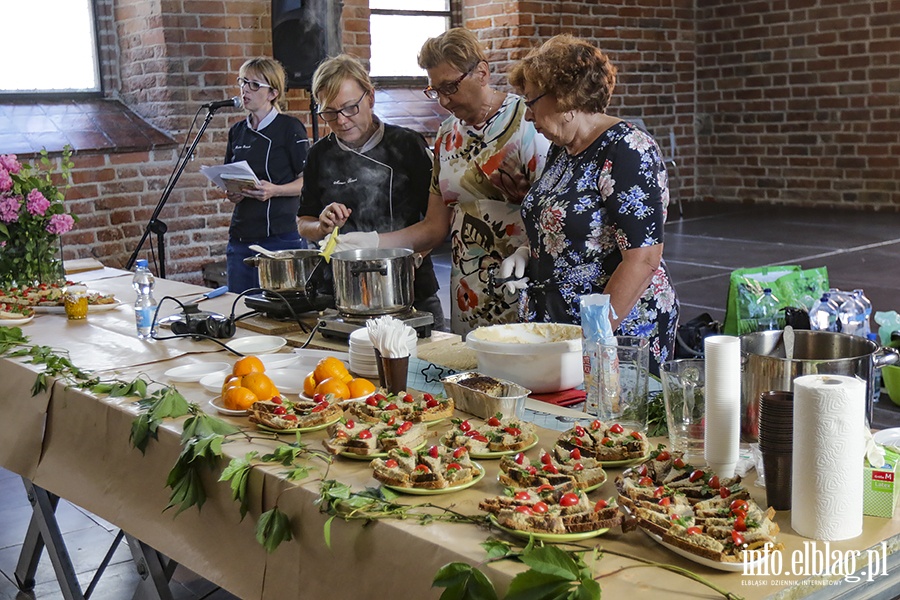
<point x="579" y="217"/>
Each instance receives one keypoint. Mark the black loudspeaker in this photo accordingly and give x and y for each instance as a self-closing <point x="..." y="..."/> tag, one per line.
<point x="304" y="33"/>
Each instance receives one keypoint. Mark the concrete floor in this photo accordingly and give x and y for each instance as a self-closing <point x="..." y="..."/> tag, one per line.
<point x="861" y="250"/>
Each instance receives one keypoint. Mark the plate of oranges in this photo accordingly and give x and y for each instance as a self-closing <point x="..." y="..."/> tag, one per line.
<point x="331" y="376"/>
<point x="247" y="383"/>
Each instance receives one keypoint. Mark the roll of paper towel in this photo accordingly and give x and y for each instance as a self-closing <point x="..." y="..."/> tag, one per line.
<point x="829" y="446"/>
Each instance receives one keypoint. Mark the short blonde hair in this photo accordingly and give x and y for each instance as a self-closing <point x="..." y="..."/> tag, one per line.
<point x="271" y="71"/>
<point x="457" y="47"/>
<point x="577" y="73"/>
<point x="327" y="80"/>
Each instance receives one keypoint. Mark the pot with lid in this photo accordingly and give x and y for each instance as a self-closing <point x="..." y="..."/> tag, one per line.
<point x="286" y="271"/>
<point x="764" y="366"/>
<point x="373" y="281"/>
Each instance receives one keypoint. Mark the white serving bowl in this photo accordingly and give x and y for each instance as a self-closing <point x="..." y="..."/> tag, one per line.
<point x="543" y="357"/>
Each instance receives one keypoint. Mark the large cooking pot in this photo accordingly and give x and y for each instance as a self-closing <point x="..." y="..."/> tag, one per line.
<point x="764" y="366"/>
<point x="373" y="281"/>
<point x="286" y="270"/>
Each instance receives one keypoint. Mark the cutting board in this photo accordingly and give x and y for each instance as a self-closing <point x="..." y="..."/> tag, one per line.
<point x="260" y="324"/>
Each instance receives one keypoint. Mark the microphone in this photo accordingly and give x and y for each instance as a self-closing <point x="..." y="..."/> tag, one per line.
<point x="234" y="102"/>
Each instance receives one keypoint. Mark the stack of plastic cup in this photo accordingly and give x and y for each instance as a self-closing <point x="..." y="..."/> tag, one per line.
<point x="776" y="442"/>
<point x="722" y="435"/>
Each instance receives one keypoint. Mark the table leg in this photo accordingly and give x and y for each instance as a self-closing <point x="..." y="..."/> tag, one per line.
<point x="32" y="547"/>
<point x="155" y="570"/>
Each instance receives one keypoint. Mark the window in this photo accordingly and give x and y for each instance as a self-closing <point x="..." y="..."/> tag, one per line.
<point x="398" y="29"/>
<point x="50" y="47"/>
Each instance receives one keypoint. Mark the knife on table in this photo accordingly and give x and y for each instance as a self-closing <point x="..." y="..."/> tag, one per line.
<point x="210" y="294"/>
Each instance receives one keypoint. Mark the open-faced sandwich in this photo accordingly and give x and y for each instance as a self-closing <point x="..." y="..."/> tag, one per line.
<point x="497" y="434"/>
<point x="15" y="311"/>
<point x="48" y="294"/>
<point x="415" y="407"/>
<point x="432" y="468"/>
<point x="605" y="442"/>
<point x="695" y="510"/>
<point x="366" y="439"/>
<point x="278" y="413"/>
<point x="553" y="469"/>
<point x="556" y="509"/>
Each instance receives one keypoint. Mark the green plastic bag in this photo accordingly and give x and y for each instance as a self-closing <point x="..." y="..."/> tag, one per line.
<point x="791" y="285"/>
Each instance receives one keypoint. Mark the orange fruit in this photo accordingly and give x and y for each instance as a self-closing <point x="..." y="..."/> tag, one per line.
<point x="238" y="398"/>
<point x="260" y="384"/>
<point x="230" y="382"/>
<point x="334" y="386"/>
<point x="309" y="384"/>
<point x="360" y="387"/>
<point x="247" y="365"/>
<point x="330" y="367"/>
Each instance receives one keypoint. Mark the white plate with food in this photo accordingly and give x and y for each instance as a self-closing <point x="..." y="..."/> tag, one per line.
<point x="216" y="403"/>
<point x="92" y="308"/>
<point x="257" y="344"/>
<point x="734" y="567"/>
<point x="194" y="373"/>
<point x="16" y="322"/>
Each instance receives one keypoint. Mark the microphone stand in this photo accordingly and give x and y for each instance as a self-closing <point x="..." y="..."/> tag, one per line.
<point x="154" y="225"/>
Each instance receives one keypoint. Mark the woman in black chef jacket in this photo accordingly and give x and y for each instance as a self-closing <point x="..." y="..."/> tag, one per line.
<point x="275" y="146"/>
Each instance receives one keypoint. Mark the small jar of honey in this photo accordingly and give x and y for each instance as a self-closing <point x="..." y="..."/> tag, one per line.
<point x="76" y="302"/>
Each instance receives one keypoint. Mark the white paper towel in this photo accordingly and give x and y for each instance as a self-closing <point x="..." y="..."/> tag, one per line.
<point x="722" y="431"/>
<point x="829" y="446"/>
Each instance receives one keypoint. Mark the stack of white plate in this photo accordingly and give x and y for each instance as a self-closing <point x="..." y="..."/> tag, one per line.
<point x="362" y="353"/>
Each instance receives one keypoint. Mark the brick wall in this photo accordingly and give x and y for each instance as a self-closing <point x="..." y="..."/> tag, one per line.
<point x="766" y="104"/>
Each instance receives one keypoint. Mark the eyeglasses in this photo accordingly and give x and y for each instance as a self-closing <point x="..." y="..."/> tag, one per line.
<point x="531" y="103"/>
<point x="348" y="111"/>
<point x="448" y="89"/>
<point x="253" y="85"/>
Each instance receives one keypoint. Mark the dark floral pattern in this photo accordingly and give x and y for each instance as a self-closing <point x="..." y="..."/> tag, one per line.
<point x="581" y="214"/>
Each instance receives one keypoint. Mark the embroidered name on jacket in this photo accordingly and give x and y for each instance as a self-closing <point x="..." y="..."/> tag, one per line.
<point x="339" y="182"/>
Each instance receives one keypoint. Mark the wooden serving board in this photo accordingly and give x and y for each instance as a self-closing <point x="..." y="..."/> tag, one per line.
<point x="260" y="324"/>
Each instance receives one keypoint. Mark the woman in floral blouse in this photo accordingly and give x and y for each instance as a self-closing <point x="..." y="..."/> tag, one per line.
<point x="595" y="217"/>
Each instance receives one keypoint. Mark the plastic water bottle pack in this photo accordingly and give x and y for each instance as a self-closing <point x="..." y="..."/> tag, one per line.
<point x="845" y="312"/>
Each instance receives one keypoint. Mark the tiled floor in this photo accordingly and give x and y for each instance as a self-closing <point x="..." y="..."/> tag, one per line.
<point x="861" y="250"/>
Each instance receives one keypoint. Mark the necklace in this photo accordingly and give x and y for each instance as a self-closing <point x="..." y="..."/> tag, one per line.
<point x="489" y="106"/>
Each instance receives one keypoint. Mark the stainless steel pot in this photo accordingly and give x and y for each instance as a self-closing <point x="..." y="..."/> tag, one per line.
<point x="373" y="281"/>
<point x="764" y="366"/>
<point x="286" y="270"/>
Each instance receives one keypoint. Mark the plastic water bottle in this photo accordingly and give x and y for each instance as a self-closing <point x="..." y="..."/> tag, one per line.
<point x="767" y="311"/>
<point x="823" y="314"/>
<point x="144" y="305"/>
<point x="850" y="315"/>
<point x="876" y="377"/>
<point x="866" y="319"/>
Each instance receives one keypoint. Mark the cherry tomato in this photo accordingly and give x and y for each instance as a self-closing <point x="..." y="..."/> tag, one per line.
<point x="637" y="435"/>
<point x="665" y="501"/>
<point x="601" y="504"/>
<point x="427" y="397"/>
<point x="465" y="426"/>
<point x="549" y="468"/>
<point x="431" y="403"/>
<point x="365" y="434"/>
<point x="289" y="417"/>
<point x="659" y="492"/>
<point x="276" y="399"/>
<point x="546" y="487"/>
<point x="392" y="420"/>
<point x="737" y="538"/>
<point x="694" y="530"/>
<point x="524" y="509"/>
<point x="607" y="442"/>
<point x="408" y="399"/>
<point x="596" y="425"/>
<point x="379" y="398"/>
<point x="320" y="407"/>
<point x="616" y="428"/>
<point x="522" y="496"/>
<point x="575" y="453"/>
<point x="350" y="424"/>
<point x="663" y="456"/>
<point x="454" y="467"/>
<point x="578" y="467"/>
<point x="520" y="458"/>
<point x="713" y="482"/>
<point x="579" y="431"/>
<point x="423" y="469"/>
<point x="371" y="401"/>
<point x="390" y="406"/>
<point x="645" y="482"/>
<point x="404" y="427"/>
<point x="545" y="458"/>
<point x="433" y="452"/>
<point x="480" y="438"/>
<point x="724" y="492"/>
<point x="318" y="397"/>
<point x="279" y="410"/>
<point x="578" y="442"/>
<point x="740" y="523"/>
<point x="532" y="470"/>
<point x="679" y="463"/>
<point x="540" y="507"/>
<point x="391" y="463"/>
<point x="642" y="470"/>
<point x="739" y="505"/>
<point x="460" y="452"/>
<point x="494" y="422"/>
<point x="512" y="430"/>
<point x="568" y="499"/>
<point x="695" y="476"/>
<point x="342" y="435"/>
